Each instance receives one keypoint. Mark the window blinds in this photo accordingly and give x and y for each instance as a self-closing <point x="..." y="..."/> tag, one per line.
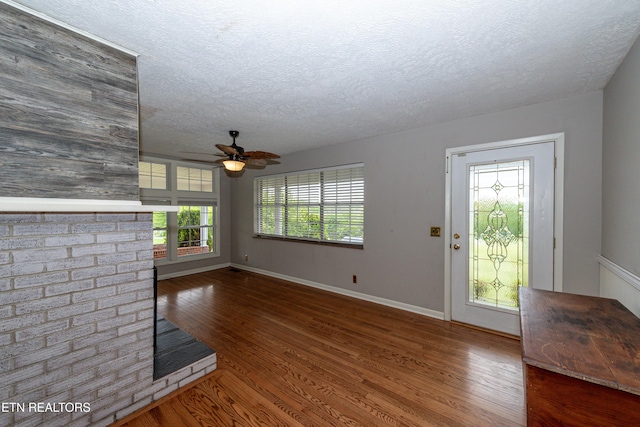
<point x="322" y="205"/>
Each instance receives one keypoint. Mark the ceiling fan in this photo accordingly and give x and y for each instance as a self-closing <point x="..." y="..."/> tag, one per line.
<point x="236" y="157"/>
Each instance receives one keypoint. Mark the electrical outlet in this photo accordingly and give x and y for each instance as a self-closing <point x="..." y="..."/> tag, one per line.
<point x="435" y="231"/>
<point x="246" y="257"/>
<point x="355" y="279"/>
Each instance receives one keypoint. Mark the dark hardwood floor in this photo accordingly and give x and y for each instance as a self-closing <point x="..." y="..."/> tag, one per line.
<point x="291" y="355"/>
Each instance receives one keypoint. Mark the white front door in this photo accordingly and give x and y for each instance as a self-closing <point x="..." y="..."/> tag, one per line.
<point x="502" y="231"/>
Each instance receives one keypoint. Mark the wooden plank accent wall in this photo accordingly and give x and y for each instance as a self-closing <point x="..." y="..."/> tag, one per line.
<point x="68" y="113"/>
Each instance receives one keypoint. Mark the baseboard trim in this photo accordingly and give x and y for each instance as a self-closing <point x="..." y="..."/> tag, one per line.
<point x="193" y="271"/>
<point x="382" y="301"/>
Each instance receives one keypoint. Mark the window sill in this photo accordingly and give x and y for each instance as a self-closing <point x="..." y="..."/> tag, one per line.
<point x="313" y="242"/>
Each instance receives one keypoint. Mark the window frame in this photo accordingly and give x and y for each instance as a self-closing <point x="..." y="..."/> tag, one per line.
<point x="174" y="197"/>
<point x="355" y="199"/>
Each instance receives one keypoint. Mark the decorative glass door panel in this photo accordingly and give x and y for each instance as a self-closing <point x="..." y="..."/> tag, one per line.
<point x="498" y="233"/>
<point x="502" y="204"/>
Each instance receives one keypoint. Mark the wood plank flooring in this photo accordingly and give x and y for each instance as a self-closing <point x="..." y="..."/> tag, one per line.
<point x="291" y="355"/>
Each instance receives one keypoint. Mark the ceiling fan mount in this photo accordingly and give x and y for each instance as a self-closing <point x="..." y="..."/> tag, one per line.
<point x="237" y="157"/>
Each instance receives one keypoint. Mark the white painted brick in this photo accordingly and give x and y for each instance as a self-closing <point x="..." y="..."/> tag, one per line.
<point x="93" y="294"/>
<point x="144" y="255"/>
<point x="134" y="327"/>
<point x="94" y="362"/>
<point x="70" y="263"/>
<point x="94" y="338"/>
<point x="12" y="350"/>
<point x="70" y="334"/>
<point x="24" y="268"/>
<point x="26" y="359"/>
<point x="4" y="230"/>
<point x="42" y="304"/>
<point x="98" y="385"/>
<point x="135" y="225"/>
<point x="13" y="297"/>
<point x="39" y="229"/>
<point x="135" y="246"/>
<point x="35" y="255"/>
<point x="110" y="411"/>
<point x="27" y="419"/>
<point x="155" y="387"/>
<point x="145" y="294"/>
<point x="97" y="249"/>
<point x="128" y="368"/>
<point x="210" y="368"/>
<point x="40" y="279"/>
<point x="136" y="347"/>
<point x="136" y="306"/>
<point x="37" y="384"/>
<point x="64" y="288"/>
<point x="94" y="317"/>
<point x="70" y="240"/>
<point x="6" y="419"/>
<point x="21" y="374"/>
<point x="69" y="217"/>
<point x="164" y="392"/>
<point x="145" y="314"/>
<point x="133" y="408"/>
<point x="179" y="375"/>
<point x="119" y="365"/>
<point x="203" y="363"/>
<point x="146" y="352"/>
<point x="4" y="257"/>
<point x="14" y="244"/>
<point x="115" y="217"/>
<point x="72" y="310"/>
<point x="135" y="266"/>
<point x="116" y="344"/>
<point x="5" y="284"/>
<point x="21" y="322"/>
<point x="70" y="358"/>
<point x="6" y="312"/>
<point x="135" y="286"/>
<point x="114" y="386"/>
<point x="116" y="280"/>
<point x="117" y="300"/>
<point x="116" y="322"/>
<point x="93" y="227"/>
<point x="115" y="259"/>
<point x="146" y="274"/>
<point x="18" y="218"/>
<point x="190" y="379"/>
<point x="93" y="272"/>
<point x="115" y="237"/>
<point x="44" y="329"/>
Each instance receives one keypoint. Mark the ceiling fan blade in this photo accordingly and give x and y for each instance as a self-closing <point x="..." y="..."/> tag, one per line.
<point x="227" y="149"/>
<point x="256" y="162"/>
<point x="259" y="155"/>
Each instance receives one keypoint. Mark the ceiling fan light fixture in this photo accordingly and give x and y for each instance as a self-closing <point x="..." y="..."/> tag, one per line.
<point x="233" y="165"/>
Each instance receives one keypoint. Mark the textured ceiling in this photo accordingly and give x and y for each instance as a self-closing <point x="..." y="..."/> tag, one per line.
<point x="292" y="75"/>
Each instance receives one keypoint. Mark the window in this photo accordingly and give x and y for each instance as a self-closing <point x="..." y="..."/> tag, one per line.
<point x="195" y="230"/>
<point x="153" y="175"/>
<point x="191" y="232"/>
<point x="325" y="205"/>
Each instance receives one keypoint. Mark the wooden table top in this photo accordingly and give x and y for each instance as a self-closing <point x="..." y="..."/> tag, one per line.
<point x="591" y="338"/>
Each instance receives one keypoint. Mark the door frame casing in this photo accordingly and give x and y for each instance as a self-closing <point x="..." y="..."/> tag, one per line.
<point x="558" y="139"/>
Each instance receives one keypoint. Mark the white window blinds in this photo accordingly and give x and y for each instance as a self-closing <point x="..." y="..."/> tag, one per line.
<point x="320" y="205"/>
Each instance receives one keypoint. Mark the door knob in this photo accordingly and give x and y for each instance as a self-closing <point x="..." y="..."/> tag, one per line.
<point x="456" y="246"/>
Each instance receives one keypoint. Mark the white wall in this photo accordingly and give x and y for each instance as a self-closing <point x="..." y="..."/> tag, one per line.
<point x="620" y="163"/>
<point x="405" y="194"/>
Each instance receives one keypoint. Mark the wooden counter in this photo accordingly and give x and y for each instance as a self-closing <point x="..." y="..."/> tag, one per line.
<point x="581" y="360"/>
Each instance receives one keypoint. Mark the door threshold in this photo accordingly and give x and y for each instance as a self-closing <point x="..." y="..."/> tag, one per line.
<point x="489" y="331"/>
